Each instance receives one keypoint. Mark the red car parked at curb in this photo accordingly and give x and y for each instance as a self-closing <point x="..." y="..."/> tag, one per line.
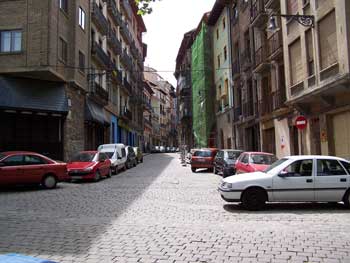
<point x="19" y="167"/>
<point x="203" y="158"/>
<point x="89" y="165"/>
<point x="249" y="162"/>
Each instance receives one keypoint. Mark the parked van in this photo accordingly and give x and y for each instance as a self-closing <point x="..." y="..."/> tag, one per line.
<point x="117" y="155"/>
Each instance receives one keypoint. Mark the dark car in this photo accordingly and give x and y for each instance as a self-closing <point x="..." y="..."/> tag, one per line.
<point x="224" y="162"/>
<point x="131" y="160"/>
<point x="17" y="168"/>
<point x="203" y="158"/>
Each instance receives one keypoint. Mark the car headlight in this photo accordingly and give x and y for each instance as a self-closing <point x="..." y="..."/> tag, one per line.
<point x="225" y="185"/>
<point x="89" y="169"/>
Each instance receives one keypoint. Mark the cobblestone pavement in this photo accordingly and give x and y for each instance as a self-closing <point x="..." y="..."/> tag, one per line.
<point x="161" y="212"/>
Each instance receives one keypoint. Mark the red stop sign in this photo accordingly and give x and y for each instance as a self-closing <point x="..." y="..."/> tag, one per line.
<point x="301" y="122"/>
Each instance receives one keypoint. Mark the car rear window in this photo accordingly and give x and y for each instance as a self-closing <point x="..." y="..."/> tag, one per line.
<point x="233" y="155"/>
<point x="83" y="157"/>
<point x="203" y="153"/>
<point x="262" y="159"/>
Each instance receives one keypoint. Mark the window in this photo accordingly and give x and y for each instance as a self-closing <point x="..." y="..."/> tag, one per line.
<point x="328" y="40"/>
<point x="346" y="165"/>
<point x="300" y="168"/>
<point x="123" y="153"/>
<point x="33" y="160"/>
<point x="310" y="53"/>
<point x="63" y="50"/>
<point x="13" y="160"/>
<point x="10" y="41"/>
<point x="245" y="158"/>
<point x="82" y="18"/>
<point x="296" y="67"/>
<point x="223" y="23"/>
<point x="225" y="53"/>
<point x="219" y="61"/>
<point x="217" y="33"/>
<point x="81" y="62"/>
<point x="329" y="168"/>
<point x="64" y="5"/>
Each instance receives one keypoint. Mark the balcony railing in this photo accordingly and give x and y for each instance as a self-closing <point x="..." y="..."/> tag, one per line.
<point x="258" y="15"/>
<point x="126" y="114"/>
<point x="236" y="69"/>
<point x="274" y="43"/>
<point x="99" y="54"/>
<point x="266" y="106"/>
<point x="278" y="99"/>
<point x="147" y="122"/>
<point x="114" y="43"/>
<point x="116" y="74"/>
<point x="99" y="19"/>
<point x="126" y="60"/>
<point x="124" y="30"/>
<point x="248" y="109"/>
<point x="97" y="91"/>
<point x="127" y="85"/>
<point x="260" y="56"/>
<point x="245" y="59"/>
<point x="113" y="10"/>
<point x="163" y="126"/>
<point x="237" y="113"/>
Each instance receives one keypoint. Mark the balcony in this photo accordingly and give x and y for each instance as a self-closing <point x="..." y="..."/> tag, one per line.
<point x="124" y="30"/>
<point x="127" y="7"/>
<point x="100" y="55"/>
<point x="127" y="85"/>
<point x="275" y="45"/>
<point x="266" y="106"/>
<point x="260" y="56"/>
<point x="245" y="61"/>
<point x="99" y="19"/>
<point x="162" y="112"/>
<point x="126" y="114"/>
<point x="126" y="60"/>
<point x="278" y="99"/>
<point x="248" y="109"/>
<point x="163" y="126"/>
<point x="114" y="43"/>
<point x="236" y="69"/>
<point x="237" y="113"/>
<point x="98" y="92"/>
<point x="116" y="75"/>
<point x="272" y="4"/>
<point x="258" y="15"/>
<point x="147" y="122"/>
<point x="114" y="12"/>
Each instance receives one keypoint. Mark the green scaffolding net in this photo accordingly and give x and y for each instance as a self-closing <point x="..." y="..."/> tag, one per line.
<point x="203" y="93"/>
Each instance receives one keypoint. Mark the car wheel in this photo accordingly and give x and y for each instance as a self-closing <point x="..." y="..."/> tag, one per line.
<point x="49" y="181"/>
<point x="347" y="199"/>
<point x="109" y="175"/>
<point x="193" y="170"/>
<point x="97" y="176"/>
<point x="254" y="199"/>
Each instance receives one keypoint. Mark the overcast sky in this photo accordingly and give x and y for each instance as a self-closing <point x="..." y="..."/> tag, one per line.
<point x="166" y="26"/>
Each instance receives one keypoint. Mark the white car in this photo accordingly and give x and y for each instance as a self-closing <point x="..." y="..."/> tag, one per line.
<point x="117" y="154"/>
<point x="307" y="178"/>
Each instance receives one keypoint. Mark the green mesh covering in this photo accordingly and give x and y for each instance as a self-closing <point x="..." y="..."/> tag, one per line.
<point x="203" y="95"/>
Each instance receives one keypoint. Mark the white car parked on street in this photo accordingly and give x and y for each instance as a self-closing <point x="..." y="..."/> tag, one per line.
<point x="307" y="178"/>
<point x="117" y="154"/>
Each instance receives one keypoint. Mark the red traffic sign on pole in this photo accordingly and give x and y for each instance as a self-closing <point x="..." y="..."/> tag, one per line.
<point x="301" y="122"/>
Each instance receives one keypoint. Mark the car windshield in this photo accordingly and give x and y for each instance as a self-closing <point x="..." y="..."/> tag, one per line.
<point x="233" y="155"/>
<point x="202" y="154"/>
<point x="83" y="157"/>
<point x="109" y="154"/>
<point x="275" y="164"/>
<point x="262" y="159"/>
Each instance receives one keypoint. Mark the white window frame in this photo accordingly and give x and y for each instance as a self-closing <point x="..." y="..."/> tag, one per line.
<point x="82" y="18"/>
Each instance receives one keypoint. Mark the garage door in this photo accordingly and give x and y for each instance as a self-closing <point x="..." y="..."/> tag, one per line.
<point x="341" y="131"/>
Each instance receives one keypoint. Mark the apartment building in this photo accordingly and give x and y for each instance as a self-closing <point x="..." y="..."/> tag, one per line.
<point x="44" y="54"/>
<point x="147" y="116"/>
<point x="184" y="90"/>
<point x="317" y="76"/>
<point x="219" y="20"/>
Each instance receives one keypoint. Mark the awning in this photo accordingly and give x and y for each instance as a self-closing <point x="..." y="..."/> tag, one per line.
<point x="94" y="113"/>
<point x="33" y="95"/>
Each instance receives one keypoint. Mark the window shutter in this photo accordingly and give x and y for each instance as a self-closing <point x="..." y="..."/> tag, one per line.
<point x="296" y="66"/>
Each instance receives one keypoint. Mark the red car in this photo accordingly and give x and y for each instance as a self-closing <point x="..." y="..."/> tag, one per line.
<point x="89" y="165"/>
<point x="203" y="158"/>
<point x="17" y="168"/>
<point x="249" y="162"/>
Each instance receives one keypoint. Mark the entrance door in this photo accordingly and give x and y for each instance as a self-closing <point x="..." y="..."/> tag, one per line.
<point x="341" y="134"/>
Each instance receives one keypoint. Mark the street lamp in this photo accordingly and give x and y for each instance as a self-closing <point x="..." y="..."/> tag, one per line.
<point x="304" y="20"/>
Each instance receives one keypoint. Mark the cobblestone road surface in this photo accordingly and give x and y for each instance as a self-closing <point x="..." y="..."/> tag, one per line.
<point x="161" y="212"/>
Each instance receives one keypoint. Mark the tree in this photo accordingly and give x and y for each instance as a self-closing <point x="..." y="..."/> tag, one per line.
<point x="145" y="6"/>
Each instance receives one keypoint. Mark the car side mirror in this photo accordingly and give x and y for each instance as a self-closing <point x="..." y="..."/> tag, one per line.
<point x="283" y="174"/>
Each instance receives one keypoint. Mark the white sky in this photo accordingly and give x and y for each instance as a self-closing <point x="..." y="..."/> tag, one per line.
<point x="166" y="25"/>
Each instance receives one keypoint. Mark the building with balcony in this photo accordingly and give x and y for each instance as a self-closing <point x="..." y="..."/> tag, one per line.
<point x="147" y="116"/>
<point x="184" y="90"/>
<point x="43" y="76"/>
<point x="317" y="68"/>
<point x="219" y="20"/>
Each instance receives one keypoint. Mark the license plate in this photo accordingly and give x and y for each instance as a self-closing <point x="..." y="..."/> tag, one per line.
<point x="76" y="177"/>
<point x="201" y="160"/>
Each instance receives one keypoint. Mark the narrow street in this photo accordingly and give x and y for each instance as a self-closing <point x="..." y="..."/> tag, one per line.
<point x="162" y="212"/>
